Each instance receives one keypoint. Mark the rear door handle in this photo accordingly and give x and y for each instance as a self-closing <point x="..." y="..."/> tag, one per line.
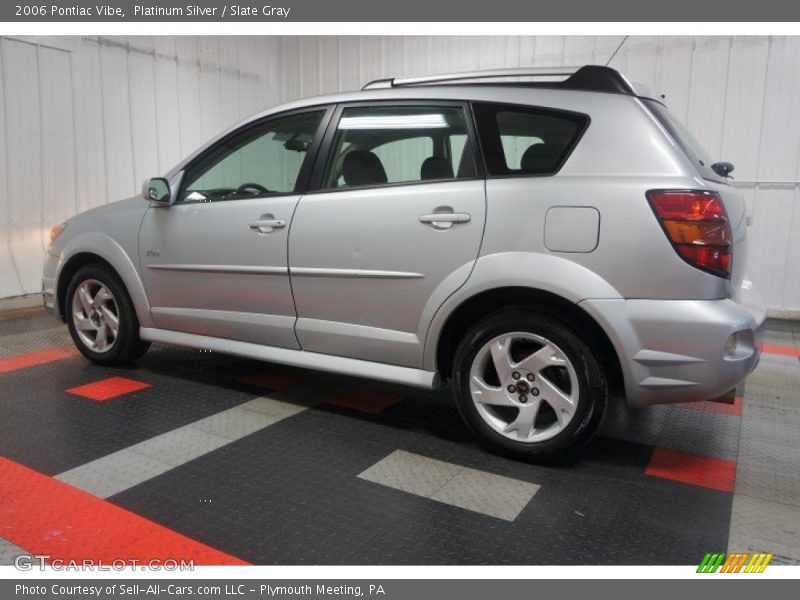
<point x="267" y="224"/>
<point x="445" y="220"/>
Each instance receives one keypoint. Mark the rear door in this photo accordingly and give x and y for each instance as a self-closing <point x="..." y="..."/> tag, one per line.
<point x="393" y="228"/>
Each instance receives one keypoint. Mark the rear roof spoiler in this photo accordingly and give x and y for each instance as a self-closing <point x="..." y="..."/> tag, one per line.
<point x="594" y="78"/>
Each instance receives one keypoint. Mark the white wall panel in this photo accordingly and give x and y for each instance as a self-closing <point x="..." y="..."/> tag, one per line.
<point x="744" y="106"/>
<point x="675" y="72"/>
<point x="90" y="144"/>
<point x="24" y="176"/>
<point x="165" y="98"/>
<point x="136" y="105"/>
<point x="120" y="162"/>
<point x="188" y="94"/>
<point x="707" y="91"/>
<point x="10" y="284"/>
<point x="209" y="90"/>
<point x="144" y="122"/>
<point x="780" y="142"/>
<point x="58" y="138"/>
<point x="228" y="59"/>
<point x="83" y="121"/>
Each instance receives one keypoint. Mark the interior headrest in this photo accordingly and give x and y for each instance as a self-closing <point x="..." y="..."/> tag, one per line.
<point x="362" y="167"/>
<point x="538" y="157"/>
<point x="436" y="167"/>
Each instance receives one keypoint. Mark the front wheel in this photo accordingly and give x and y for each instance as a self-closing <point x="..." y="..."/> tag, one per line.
<point x="527" y="385"/>
<point x="101" y="318"/>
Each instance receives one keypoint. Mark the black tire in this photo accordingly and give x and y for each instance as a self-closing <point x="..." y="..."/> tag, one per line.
<point x="592" y="391"/>
<point x="128" y="346"/>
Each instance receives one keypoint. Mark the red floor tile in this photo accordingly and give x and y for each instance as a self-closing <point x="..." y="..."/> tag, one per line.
<point x="734" y="409"/>
<point x="107" y="389"/>
<point x="31" y="359"/>
<point x="368" y="401"/>
<point x="693" y="469"/>
<point x="42" y="515"/>
<point x="783" y="350"/>
<point x="274" y="379"/>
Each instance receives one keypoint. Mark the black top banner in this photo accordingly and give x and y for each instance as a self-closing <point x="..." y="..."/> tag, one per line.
<point x="392" y="11"/>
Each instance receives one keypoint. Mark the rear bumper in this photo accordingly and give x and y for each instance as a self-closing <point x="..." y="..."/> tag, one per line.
<point x="681" y="350"/>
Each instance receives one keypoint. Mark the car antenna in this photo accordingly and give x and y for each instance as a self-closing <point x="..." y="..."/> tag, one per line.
<point x="613" y="54"/>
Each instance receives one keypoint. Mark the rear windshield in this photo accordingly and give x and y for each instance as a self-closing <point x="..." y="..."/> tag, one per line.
<point x="685" y="140"/>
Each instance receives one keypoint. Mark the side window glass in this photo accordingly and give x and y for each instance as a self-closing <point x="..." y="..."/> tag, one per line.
<point x="526" y="141"/>
<point x="260" y="162"/>
<point x="382" y="145"/>
<point x="402" y="159"/>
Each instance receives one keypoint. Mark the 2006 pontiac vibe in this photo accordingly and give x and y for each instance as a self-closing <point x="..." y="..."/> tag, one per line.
<point x="544" y="247"/>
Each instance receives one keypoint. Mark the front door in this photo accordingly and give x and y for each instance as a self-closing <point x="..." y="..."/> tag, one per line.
<point x="215" y="262"/>
<point x="391" y="230"/>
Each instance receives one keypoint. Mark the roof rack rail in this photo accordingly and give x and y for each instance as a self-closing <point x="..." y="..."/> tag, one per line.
<point x="594" y="78"/>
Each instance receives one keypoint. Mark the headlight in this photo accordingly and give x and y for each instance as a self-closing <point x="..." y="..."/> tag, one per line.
<point x="56" y="231"/>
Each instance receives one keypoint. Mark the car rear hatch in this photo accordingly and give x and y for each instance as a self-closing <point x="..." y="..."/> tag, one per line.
<point x="732" y="199"/>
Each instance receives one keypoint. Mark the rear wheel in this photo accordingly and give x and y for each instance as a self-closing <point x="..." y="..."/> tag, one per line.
<point x="101" y="318"/>
<point x="527" y="385"/>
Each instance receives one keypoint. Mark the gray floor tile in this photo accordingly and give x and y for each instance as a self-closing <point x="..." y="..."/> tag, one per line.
<point x="639" y="426"/>
<point x="764" y="526"/>
<point x="701" y="432"/>
<point x="411" y="473"/>
<point x="775" y="382"/>
<point x="114" y="473"/>
<point x="274" y="408"/>
<point x="23" y="343"/>
<point x="478" y="491"/>
<point x="770" y="428"/>
<point x="8" y="552"/>
<point x="235" y="423"/>
<point x="779" y="338"/>
<point x="180" y="445"/>
<point x="131" y="466"/>
<point x="486" y="493"/>
<point x="781" y="325"/>
<point x="773" y="478"/>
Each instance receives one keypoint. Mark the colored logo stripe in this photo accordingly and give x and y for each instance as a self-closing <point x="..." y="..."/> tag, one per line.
<point x="45" y="516"/>
<point x="734" y="562"/>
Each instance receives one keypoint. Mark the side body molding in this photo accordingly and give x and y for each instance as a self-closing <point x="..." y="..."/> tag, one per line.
<point x="545" y="272"/>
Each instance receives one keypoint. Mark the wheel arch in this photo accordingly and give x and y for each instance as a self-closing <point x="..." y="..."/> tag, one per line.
<point x="486" y="302"/>
<point x="72" y="266"/>
<point x="98" y="248"/>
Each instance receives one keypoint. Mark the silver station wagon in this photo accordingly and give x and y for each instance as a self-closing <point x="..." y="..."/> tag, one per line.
<point x="545" y="241"/>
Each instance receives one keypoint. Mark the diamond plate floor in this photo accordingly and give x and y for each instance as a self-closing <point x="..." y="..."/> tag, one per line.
<point x="283" y="466"/>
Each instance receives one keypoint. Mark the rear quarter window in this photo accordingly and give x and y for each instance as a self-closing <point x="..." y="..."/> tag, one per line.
<point x="524" y="141"/>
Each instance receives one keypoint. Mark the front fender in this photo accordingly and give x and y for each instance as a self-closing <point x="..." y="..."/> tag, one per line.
<point x="111" y="251"/>
<point x="545" y="272"/>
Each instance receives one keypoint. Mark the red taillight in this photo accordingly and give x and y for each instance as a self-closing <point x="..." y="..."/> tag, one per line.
<point x="696" y="224"/>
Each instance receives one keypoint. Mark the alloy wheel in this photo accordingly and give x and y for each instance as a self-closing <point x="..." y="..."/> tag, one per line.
<point x="524" y="387"/>
<point x="95" y="316"/>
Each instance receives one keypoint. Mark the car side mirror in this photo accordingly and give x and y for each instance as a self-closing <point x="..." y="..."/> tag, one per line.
<point x="157" y="190"/>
